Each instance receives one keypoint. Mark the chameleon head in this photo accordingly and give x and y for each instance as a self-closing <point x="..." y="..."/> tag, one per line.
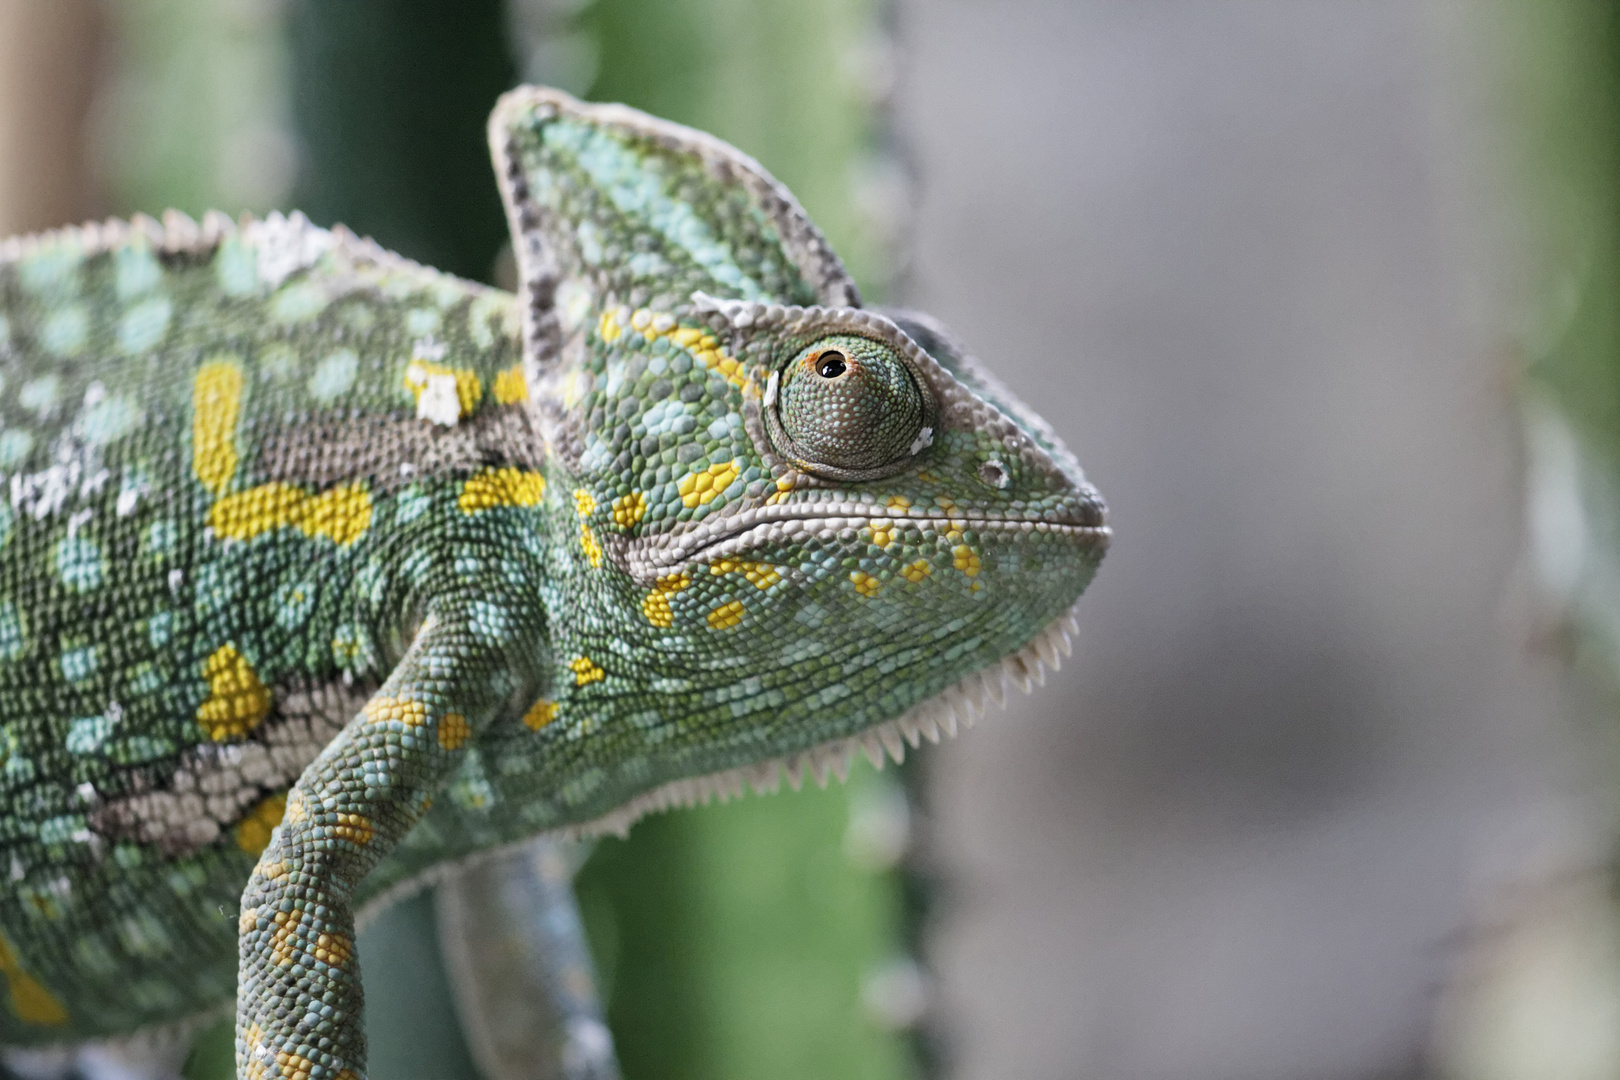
<point x="789" y="521"/>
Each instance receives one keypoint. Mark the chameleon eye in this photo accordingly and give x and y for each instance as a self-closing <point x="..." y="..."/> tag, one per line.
<point x="831" y="364"/>
<point x="849" y="407"/>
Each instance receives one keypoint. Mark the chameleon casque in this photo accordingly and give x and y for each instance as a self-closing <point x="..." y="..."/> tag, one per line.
<point x="320" y="570"/>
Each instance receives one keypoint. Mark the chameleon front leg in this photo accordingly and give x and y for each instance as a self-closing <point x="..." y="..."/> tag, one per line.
<point x="298" y="991"/>
<point x="515" y="949"/>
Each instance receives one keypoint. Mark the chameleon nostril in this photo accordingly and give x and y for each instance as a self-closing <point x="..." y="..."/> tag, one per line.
<point x="995" y="474"/>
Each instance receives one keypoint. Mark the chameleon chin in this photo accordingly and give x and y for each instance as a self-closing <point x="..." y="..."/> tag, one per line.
<point x="321" y="570"/>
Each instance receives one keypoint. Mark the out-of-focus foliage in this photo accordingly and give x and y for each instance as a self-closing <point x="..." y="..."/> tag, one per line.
<point x="389" y="100"/>
<point x="196" y="115"/>
<point x="1543" y="996"/>
<point x="736" y="941"/>
<point x="1561" y="94"/>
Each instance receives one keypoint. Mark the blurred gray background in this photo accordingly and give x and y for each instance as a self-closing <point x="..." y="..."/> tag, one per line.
<point x="1229" y="250"/>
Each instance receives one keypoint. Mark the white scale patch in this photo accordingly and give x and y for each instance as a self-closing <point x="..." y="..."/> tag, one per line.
<point x="286" y="245"/>
<point x="77" y="472"/>
<point x="216" y="784"/>
<point x="439" y="402"/>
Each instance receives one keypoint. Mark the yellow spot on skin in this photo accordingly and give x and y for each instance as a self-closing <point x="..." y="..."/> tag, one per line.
<point x="629" y="509"/>
<point x="454" y="731"/>
<point x="759" y="575"/>
<point x="866" y="584"/>
<point x="333" y="949"/>
<point x="237" y="701"/>
<point x="702" y="487"/>
<point x="30" y="1000"/>
<point x="295" y="808"/>
<point x="469" y="387"/>
<point x="540" y="714"/>
<point x="510" y="386"/>
<point x="953" y="532"/>
<point x="284" y="941"/>
<point x="294" y="1066"/>
<point x="965" y="559"/>
<point x="355" y="828"/>
<point x="783" y="486"/>
<point x="899" y="502"/>
<point x="585" y="671"/>
<point x="917" y="571"/>
<point x="927" y="477"/>
<point x="608" y="329"/>
<point x="341" y="514"/>
<point x="655" y="605"/>
<point x="584" y="503"/>
<point x="489" y="488"/>
<point x="253" y="831"/>
<point x="216" y="401"/>
<point x="258" y="510"/>
<point x="882" y="532"/>
<point x="405" y="710"/>
<point x="726" y="616"/>
<point x="700" y="343"/>
<point x="593" y="550"/>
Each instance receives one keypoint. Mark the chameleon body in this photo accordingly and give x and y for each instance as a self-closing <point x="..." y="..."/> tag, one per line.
<point x="320" y="570"/>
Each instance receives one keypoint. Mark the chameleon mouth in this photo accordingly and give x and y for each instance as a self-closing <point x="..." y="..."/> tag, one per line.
<point x="1085" y="525"/>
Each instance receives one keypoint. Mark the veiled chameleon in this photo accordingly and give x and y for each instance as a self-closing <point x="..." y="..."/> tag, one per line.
<point x="320" y="570"/>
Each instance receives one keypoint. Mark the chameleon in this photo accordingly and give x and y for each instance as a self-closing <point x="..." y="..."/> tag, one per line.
<point x="322" y="571"/>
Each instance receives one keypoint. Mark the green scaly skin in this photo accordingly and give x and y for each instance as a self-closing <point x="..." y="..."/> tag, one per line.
<point x="319" y="569"/>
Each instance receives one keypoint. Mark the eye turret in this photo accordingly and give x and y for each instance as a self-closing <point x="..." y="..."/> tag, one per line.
<point x="850" y="408"/>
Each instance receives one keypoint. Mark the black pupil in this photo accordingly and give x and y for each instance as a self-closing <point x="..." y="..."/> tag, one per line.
<point x="831" y="365"/>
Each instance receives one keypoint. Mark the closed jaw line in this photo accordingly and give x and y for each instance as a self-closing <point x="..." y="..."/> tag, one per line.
<point x="829" y="521"/>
